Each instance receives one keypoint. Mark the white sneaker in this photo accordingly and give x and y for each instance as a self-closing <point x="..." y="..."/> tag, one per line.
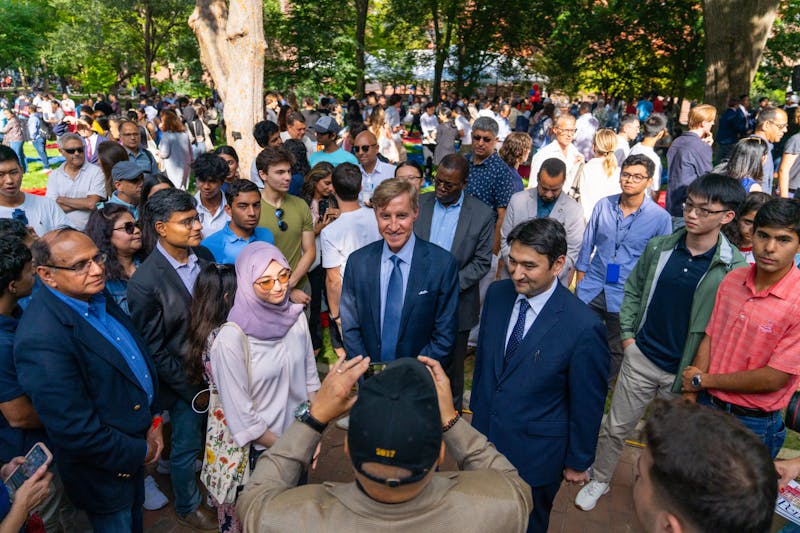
<point x="153" y="497"/>
<point x="586" y="500"/>
<point x="343" y="423"/>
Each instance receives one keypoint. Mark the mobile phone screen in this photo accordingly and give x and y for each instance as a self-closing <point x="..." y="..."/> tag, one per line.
<point x="35" y="458"/>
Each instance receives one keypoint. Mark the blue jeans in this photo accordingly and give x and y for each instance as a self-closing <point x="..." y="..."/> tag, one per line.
<point x="17" y="147"/>
<point x="39" y="145"/>
<point x="769" y="429"/>
<point x="129" y="519"/>
<point x="187" y="442"/>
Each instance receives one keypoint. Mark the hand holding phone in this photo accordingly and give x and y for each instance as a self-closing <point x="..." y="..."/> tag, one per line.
<point x="37" y="457"/>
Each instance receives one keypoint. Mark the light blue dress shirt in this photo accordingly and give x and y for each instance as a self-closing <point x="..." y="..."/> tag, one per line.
<point x="406" y="253"/>
<point x="94" y="312"/>
<point x="444" y="222"/>
<point x="537" y="303"/>
<point x="188" y="271"/>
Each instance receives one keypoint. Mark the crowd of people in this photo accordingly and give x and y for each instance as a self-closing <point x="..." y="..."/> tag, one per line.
<point x="579" y="250"/>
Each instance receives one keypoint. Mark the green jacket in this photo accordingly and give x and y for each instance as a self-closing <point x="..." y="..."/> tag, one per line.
<point x="639" y="289"/>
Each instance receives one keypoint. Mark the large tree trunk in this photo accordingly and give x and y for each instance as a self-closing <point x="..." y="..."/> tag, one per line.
<point x="736" y="32"/>
<point x="232" y="47"/>
<point x="362" y="8"/>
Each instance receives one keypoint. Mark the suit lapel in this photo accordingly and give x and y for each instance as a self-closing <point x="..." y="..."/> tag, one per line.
<point x="373" y="286"/>
<point x="423" y="225"/>
<point x="506" y="306"/>
<point x="461" y="228"/>
<point x="544" y="322"/>
<point x="416" y="281"/>
<point x="172" y="277"/>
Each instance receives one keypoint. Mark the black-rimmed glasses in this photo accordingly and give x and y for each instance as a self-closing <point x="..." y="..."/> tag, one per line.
<point x="82" y="267"/>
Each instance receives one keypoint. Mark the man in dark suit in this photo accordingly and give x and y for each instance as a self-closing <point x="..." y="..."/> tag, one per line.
<point x="160" y="298"/>
<point x="399" y="294"/>
<point x="91" y="380"/>
<point x="461" y="224"/>
<point x="541" y="366"/>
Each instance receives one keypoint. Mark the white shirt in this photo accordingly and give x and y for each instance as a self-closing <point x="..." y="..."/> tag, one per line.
<point x="553" y="150"/>
<point x="464" y="126"/>
<point x="596" y="185"/>
<point x="651" y="154"/>
<point x="428" y="124"/>
<point x="370" y="180"/>
<point x="345" y="235"/>
<point x="586" y="127"/>
<point x="623" y="149"/>
<point x="537" y="303"/>
<point x="43" y="214"/>
<point x="310" y="145"/>
<point x="282" y="373"/>
<point x="212" y="222"/>
<point x="89" y="181"/>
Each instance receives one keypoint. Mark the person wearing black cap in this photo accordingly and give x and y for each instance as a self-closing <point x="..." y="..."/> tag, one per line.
<point x="128" y="178"/>
<point x="399" y="427"/>
<point x="327" y="134"/>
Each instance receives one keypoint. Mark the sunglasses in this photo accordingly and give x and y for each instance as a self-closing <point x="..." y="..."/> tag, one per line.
<point x="71" y="151"/>
<point x="482" y="139"/>
<point x="267" y="283"/>
<point x="282" y="225"/>
<point x="364" y="148"/>
<point x="129" y="227"/>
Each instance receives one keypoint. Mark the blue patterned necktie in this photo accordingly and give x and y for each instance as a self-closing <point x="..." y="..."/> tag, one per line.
<point x="392" y="311"/>
<point x="517" y="333"/>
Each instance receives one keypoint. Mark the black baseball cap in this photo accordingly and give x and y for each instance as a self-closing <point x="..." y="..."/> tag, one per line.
<point x="396" y="421"/>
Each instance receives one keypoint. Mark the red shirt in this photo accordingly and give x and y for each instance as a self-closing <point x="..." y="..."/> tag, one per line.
<point x="751" y="330"/>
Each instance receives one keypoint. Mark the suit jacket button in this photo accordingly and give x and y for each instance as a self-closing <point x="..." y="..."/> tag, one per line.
<point x="137" y="407"/>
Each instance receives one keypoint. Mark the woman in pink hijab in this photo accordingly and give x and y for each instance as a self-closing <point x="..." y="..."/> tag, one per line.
<point x="262" y="358"/>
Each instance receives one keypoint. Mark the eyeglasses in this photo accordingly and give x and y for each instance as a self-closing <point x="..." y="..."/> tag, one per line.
<point x="364" y="148"/>
<point x="446" y="185"/>
<point x="267" y="283"/>
<point x="188" y="223"/>
<point x="282" y="225"/>
<point x="480" y="138"/>
<point x="129" y="227"/>
<point x="702" y="212"/>
<point x="72" y="151"/>
<point x="565" y="130"/>
<point x="636" y="178"/>
<point x="779" y="126"/>
<point x="82" y="267"/>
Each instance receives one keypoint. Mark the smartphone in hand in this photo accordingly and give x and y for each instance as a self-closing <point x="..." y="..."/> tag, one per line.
<point x="37" y="456"/>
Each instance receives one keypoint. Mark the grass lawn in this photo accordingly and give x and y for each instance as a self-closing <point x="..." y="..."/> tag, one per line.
<point x="36" y="178"/>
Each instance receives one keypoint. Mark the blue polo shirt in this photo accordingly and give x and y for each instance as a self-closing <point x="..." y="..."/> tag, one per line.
<point x="663" y="335"/>
<point x="132" y="208"/>
<point x="94" y="312"/>
<point x="491" y="181"/>
<point x="225" y="245"/>
<point x="13" y="442"/>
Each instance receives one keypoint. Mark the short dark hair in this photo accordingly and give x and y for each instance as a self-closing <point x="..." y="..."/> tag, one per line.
<point x="7" y="154"/>
<point x="164" y="203"/>
<point x="718" y="188"/>
<point x="640" y="159"/>
<point x="13" y="228"/>
<point x="655" y="124"/>
<point x="237" y="187"/>
<point x="554" y="167"/>
<point x="298" y="149"/>
<point x="708" y="469"/>
<point x="272" y="155"/>
<point x="347" y="181"/>
<point x="779" y="213"/>
<point x="293" y="117"/>
<point x="263" y="130"/>
<point x="410" y="163"/>
<point x="210" y="167"/>
<point x="545" y="235"/>
<point x="456" y="162"/>
<point x="768" y="114"/>
<point x="630" y="118"/>
<point x="226" y="149"/>
<point x="14" y="255"/>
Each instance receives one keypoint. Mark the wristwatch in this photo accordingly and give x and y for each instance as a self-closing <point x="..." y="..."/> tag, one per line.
<point x="697" y="381"/>
<point x="303" y="414"/>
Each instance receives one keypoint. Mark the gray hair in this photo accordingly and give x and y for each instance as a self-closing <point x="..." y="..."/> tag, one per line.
<point x="486" y="124"/>
<point x="69" y="137"/>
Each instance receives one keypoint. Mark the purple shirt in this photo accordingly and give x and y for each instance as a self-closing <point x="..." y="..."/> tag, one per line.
<point x="188" y="271"/>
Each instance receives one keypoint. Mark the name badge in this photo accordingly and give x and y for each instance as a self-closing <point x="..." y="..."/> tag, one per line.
<point x="612" y="273"/>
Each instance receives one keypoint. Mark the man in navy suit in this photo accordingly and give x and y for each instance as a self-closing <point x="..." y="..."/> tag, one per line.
<point x="91" y="380"/>
<point x="541" y="366"/>
<point x="399" y="294"/>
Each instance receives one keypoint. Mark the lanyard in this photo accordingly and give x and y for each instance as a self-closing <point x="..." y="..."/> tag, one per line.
<point x="618" y="215"/>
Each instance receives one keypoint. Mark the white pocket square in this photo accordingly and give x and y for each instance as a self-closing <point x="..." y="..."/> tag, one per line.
<point x="422" y="292"/>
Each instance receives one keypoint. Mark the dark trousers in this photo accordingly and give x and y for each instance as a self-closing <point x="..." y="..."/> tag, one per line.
<point x="543" y="497"/>
<point x="454" y="368"/>
<point x="613" y="335"/>
<point x="316" y="278"/>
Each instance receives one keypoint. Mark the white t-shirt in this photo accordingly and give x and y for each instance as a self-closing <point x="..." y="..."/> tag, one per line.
<point x="651" y="154"/>
<point x="345" y="235"/>
<point x="464" y="126"/>
<point x="90" y="180"/>
<point x="43" y="214"/>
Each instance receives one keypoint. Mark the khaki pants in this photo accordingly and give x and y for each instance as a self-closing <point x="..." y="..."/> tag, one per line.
<point x="638" y="384"/>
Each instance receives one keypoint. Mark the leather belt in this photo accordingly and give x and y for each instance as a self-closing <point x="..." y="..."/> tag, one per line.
<point x="739" y="410"/>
